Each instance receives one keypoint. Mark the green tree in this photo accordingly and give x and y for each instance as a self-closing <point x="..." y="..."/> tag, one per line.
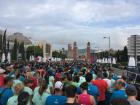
<point x="125" y="54"/>
<point x="1" y="45"/>
<point x="4" y="44"/>
<point x="59" y="54"/>
<point x="22" y="50"/>
<point x="34" y="50"/>
<point x="55" y="54"/>
<point x="8" y="46"/>
<point x="118" y="56"/>
<point x="14" y="50"/>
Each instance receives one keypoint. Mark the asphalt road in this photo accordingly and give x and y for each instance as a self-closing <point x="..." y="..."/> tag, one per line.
<point x="118" y="71"/>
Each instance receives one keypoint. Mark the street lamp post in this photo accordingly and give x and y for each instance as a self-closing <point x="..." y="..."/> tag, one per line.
<point x="109" y="41"/>
<point x="108" y="45"/>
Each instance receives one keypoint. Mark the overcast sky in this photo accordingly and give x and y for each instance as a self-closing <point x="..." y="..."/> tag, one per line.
<point x="63" y="21"/>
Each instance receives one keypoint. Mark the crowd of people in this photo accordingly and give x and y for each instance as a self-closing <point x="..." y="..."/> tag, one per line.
<point x="64" y="83"/>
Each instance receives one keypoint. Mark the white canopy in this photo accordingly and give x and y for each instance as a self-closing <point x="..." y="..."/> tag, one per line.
<point x="114" y="61"/>
<point x="3" y="57"/>
<point x="9" y="57"/>
<point x="131" y="62"/>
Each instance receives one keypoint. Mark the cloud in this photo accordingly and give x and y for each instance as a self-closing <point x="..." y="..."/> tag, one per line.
<point x="64" y="21"/>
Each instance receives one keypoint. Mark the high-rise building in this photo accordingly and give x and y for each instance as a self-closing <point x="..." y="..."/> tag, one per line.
<point x="70" y="51"/>
<point x="88" y="51"/>
<point x="75" y="51"/>
<point x="134" y="47"/>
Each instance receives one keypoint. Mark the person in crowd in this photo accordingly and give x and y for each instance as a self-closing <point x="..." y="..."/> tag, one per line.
<point x="120" y="91"/>
<point x="92" y="89"/>
<point x="58" y="74"/>
<point x="51" y="78"/>
<point x="40" y="96"/>
<point x="57" y="98"/>
<point x="131" y="92"/>
<point x="14" y="99"/>
<point x="71" y="95"/>
<point x="2" y="71"/>
<point x="23" y="98"/>
<point x="6" y="91"/>
<point x="85" y="98"/>
<point x="102" y="86"/>
<point x="81" y="78"/>
<point x="120" y="102"/>
<point x="48" y="90"/>
<point x="27" y="85"/>
<point x="76" y="81"/>
<point x="16" y="80"/>
<point x="125" y="79"/>
<point x="111" y="86"/>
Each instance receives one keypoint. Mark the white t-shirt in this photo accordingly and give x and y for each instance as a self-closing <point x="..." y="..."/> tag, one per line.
<point x="51" y="79"/>
<point x="13" y="100"/>
<point x="108" y="81"/>
<point x="28" y="90"/>
<point x="82" y="79"/>
<point x="37" y="89"/>
<point x="111" y="84"/>
<point x="40" y="100"/>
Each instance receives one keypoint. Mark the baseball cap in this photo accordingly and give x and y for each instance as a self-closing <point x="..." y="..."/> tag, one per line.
<point x="58" y="85"/>
<point x="2" y="71"/>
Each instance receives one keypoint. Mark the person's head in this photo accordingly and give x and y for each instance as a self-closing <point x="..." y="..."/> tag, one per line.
<point x="18" y="88"/>
<point x="99" y="75"/>
<point x="120" y="84"/>
<point x="120" y="102"/>
<point x="81" y="74"/>
<point x="70" y="91"/>
<point x="110" y="76"/>
<point x="58" y="88"/>
<point x="8" y="81"/>
<point x="84" y="86"/>
<point x="89" y="77"/>
<point x="2" y="71"/>
<point x="23" y="98"/>
<point x="44" y="84"/>
<point x="105" y="75"/>
<point x="131" y="90"/>
<point x="28" y="82"/>
<point x="124" y="77"/>
<point x="69" y="77"/>
<point x="76" y="79"/>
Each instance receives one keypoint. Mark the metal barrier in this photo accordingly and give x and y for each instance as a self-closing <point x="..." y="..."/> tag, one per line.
<point x="135" y="76"/>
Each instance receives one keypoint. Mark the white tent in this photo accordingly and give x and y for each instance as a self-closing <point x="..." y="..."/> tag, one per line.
<point x="33" y="58"/>
<point x="3" y="58"/>
<point x="106" y="60"/>
<point x="9" y="57"/>
<point x="44" y="60"/>
<point x="103" y="60"/>
<point x="30" y="58"/>
<point x="97" y="61"/>
<point x="114" y="61"/>
<point x="109" y="60"/>
<point x="39" y="59"/>
<point x="131" y="62"/>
